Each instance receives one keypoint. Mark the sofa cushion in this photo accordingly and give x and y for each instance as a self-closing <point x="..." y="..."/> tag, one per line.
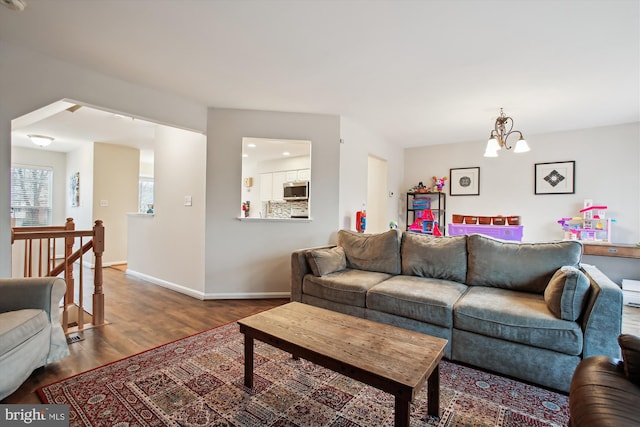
<point x="630" y="346"/>
<point x="436" y="257"/>
<point x="519" y="317"/>
<point x="427" y="300"/>
<point x="517" y="266"/>
<point x="326" y="260"/>
<point x="372" y="252"/>
<point x="346" y="286"/>
<point x="19" y="326"/>
<point x="566" y="293"/>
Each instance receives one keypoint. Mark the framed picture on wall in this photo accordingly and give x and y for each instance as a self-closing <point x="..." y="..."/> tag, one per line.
<point x="74" y="189"/>
<point x="464" y="181"/>
<point x="555" y="177"/>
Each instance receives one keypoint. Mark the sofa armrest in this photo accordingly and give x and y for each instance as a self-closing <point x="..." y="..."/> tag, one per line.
<point x="602" y="320"/>
<point x="300" y="268"/>
<point x="43" y="293"/>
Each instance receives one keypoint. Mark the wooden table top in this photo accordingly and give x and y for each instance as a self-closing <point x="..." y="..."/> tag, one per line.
<point x="399" y="355"/>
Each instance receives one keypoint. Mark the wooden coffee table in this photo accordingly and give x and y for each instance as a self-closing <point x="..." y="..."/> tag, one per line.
<point x="395" y="360"/>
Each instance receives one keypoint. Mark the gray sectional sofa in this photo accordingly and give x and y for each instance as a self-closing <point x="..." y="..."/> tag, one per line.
<point x="527" y="310"/>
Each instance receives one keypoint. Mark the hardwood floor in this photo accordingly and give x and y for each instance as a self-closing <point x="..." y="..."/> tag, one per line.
<point x="141" y="316"/>
<point x="144" y="316"/>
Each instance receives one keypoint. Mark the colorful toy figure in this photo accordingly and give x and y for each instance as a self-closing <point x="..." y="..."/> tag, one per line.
<point x="438" y="183"/>
<point x="361" y="220"/>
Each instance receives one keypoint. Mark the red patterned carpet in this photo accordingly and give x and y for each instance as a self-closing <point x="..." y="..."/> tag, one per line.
<point x="198" y="381"/>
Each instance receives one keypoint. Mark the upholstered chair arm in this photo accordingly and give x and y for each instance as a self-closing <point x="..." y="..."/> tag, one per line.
<point x="602" y="320"/>
<point x="43" y="293"/>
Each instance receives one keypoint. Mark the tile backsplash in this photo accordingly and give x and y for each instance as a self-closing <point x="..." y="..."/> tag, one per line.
<point x="283" y="209"/>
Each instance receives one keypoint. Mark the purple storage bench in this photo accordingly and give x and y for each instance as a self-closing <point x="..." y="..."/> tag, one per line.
<point x="504" y="232"/>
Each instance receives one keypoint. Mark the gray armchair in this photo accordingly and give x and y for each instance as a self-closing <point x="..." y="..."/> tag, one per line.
<point x="31" y="335"/>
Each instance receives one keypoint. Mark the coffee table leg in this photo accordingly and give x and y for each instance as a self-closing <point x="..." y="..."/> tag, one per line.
<point x="433" y="393"/>
<point x="403" y="409"/>
<point x="248" y="361"/>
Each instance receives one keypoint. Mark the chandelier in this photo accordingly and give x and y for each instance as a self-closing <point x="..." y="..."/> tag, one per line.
<point x="503" y="129"/>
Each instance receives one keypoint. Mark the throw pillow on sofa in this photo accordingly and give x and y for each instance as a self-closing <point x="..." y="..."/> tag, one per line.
<point x="326" y="260"/>
<point x="630" y="346"/>
<point x="435" y="257"/>
<point x="566" y="293"/>
<point x="372" y="252"/>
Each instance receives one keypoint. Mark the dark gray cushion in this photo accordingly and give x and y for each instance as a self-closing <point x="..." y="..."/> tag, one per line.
<point x="518" y="266"/>
<point x="630" y="346"/>
<point x="436" y="257"/>
<point x="372" y="252"/>
<point x="419" y="298"/>
<point x="518" y="317"/>
<point x="347" y="286"/>
<point x="566" y="293"/>
<point x="326" y="260"/>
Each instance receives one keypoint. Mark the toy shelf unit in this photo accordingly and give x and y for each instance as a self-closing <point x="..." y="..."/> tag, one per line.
<point x="426" y="212"/>
<point x="504" y="232"/>
<point x="592" y="226"/>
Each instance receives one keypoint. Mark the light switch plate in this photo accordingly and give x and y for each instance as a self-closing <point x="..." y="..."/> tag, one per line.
<point x="188" y="201"/>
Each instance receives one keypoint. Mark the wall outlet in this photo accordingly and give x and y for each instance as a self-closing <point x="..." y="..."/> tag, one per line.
<point x="188" y="201"/>
<point x="104" y="203"/>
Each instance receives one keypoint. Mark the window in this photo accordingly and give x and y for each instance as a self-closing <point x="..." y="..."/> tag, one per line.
<point x="145" y="194"/>
<point x="31" y="195"/>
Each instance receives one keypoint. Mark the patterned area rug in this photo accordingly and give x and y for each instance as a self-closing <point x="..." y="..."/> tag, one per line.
<point x="198" y="381"/>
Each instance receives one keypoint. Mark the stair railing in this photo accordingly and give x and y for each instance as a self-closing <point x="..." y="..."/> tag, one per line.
<point x="41" y="259"/>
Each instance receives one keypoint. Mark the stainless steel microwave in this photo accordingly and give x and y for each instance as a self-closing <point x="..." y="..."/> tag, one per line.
<point x="296" y="190"/>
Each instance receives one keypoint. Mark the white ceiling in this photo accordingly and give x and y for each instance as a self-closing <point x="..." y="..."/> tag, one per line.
<point x="416" y="72"/>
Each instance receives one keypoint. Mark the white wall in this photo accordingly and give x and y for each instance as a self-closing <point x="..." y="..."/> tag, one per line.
<point x="29" y="80"/>
<point x="167" y="248"/>
<point x="607" y="171"/>
<point x="358" y="144"/>
<point x="57" y="162"/>
<point x="81" y="160"/>
<point x="251" y="258"/>
<point x="116" y="172"/>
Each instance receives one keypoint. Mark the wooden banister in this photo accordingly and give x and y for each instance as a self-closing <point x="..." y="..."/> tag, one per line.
<point x="69" y="235"/>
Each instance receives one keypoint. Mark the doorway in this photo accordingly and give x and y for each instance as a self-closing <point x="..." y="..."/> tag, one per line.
<point x="377" y="215"/>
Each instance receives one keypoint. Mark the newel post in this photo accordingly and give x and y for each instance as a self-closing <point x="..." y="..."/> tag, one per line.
<point x="98" y="295"/>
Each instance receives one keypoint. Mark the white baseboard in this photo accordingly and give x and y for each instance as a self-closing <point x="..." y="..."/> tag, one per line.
<point x="248" y="295"/>
<point x="207" y="296"/>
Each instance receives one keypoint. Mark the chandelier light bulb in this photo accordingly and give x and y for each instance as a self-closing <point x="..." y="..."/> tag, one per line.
<point x="521" y="146"/>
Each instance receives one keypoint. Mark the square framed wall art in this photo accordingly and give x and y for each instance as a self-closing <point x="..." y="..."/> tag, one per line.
<point x="555" y="177"/>
<point x="464" y="181"/>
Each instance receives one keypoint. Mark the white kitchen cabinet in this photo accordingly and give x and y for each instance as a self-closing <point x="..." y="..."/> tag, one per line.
<point x="279" y="178"/>
<point x="266" y="186"/>
<point x="292" y="175"/>
<point x="304" y="174"/>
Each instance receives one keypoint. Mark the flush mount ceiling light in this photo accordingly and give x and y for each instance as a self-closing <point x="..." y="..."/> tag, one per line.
<point x="500" y="134"/>
<point x="41" y="140"/>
